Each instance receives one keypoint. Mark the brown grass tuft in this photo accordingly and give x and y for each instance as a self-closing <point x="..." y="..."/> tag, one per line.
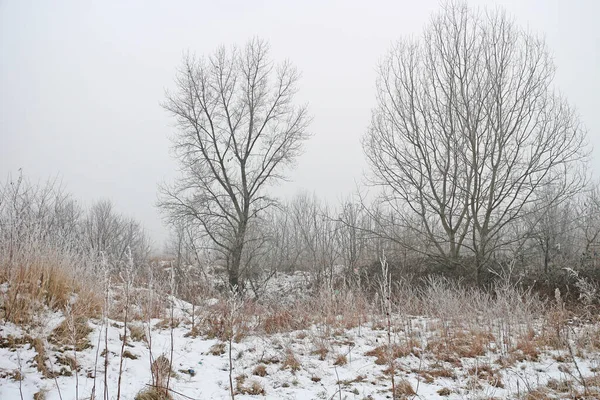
<point x="561" y="386"/>
<point x="161" y="369"/>
<point x="527" y="349"/>
<point x="75" y="335"/>
<point x="382" y="353"/>
<point x="290" y="361"/>
<point x="321" y="350"/>
<point x="152" y="393"/>
<point x="260" y="370"/>
<point x="487" y="373"/>
<point x="404" y="389"/>
<point x="340" y="359"/>
<point x="278" y="321"/>
<point x="137" y="333"/>
<point x="537" y="394"/>
<point x="40" y="358"/>
<point x="217" y="349"/>
<point x="253" y="389"/>
<point x="44" y="281"/>
<point x="461" y="344"/>
<point x="130" y="355"/>
<point x="41" y="395"/>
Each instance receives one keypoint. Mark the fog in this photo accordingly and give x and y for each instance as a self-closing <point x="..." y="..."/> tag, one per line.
<point x="81" y="83"/>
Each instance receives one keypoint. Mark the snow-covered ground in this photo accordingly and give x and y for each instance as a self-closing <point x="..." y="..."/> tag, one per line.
<point x="331" y="364"/>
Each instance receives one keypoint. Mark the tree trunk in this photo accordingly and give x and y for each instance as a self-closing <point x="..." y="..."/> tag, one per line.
<point x="547" y="257"/>
<point x="236" y="260"/>
<point x="234" y="269"/>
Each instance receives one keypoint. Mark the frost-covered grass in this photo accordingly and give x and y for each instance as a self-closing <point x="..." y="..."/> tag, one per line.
<point x="304" y="364"/>
<point x="444" y="342"/>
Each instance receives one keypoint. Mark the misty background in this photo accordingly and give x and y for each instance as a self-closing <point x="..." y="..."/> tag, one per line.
<point x="81" y="83"/>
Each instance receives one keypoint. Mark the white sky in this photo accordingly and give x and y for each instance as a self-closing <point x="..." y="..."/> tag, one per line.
<point x="81" y="82"/>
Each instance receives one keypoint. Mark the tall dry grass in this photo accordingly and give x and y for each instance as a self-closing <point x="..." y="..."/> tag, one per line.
<point x="41" y="277"/>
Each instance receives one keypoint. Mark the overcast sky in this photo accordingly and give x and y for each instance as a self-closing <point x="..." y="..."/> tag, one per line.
<point x="81" y="82"/>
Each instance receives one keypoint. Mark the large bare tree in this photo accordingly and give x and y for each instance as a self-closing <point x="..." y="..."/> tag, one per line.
<point x="467" y="130"/>
<point x="238" y="130"/>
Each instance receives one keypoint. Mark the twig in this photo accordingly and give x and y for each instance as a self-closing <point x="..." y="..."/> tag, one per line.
<point x="585" y="389"/>
<point x="172" y="323"/>
<point x="70" y="319"/>
<point x="93" y="395"/>
<point x="338" y="382"/>
<point x="106" y="311"/>
<point x="20" y="373"/>
<point x="386" y="290"/>
<point x="128" y="272"/>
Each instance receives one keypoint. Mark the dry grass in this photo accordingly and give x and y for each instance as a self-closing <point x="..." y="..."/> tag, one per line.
<point x="561" y="386"/>
<point x="320" y="350"/>
<point x="527" y="349"/>
<point x="40" y="358"/>
<point x="221" y="322"/>
<point x="404" y="390"/>
<point x="217" y="349"/>
<point x="280" y="320"/>
<point x="161" y="369"/>
<point x="382" y="353"/>
<point x="260" y="370"/>
<point x="72" y="335"/>
<point x="459" y="344"/>
<point x="152" y="393"/>
<point x="130" y="355"/>
<point x="12" y="342"/>
<point x="137" y="333"/>
<point x="254" y="388"/>
<point x="537" y="394"/>
<point x="348" y="382"/>
<point x="45" y="279"/>
<point x="487" y="373"/>
<point x="340" y="359"/>
<point x="290" y="361"/>
<point x="167" y="323"/>
<point x="68" y="361"/>
<point x="41" y="395"/>
<point x="448" y="338"/>
<point x="434" y="372"/>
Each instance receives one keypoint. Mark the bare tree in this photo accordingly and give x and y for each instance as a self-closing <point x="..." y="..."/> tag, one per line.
<point x="238" y="130"/>
<point x="352" y="234"/>
<point x="588" y="212"/>
<point x="111" y="235"/>
<point x="553" y="229"/>
<point x="36" y="213"/>
<point x="317" y="233"/>
<point x="467" y="130"/>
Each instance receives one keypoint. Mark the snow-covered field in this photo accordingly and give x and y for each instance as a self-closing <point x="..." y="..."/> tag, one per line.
<point x="321" y="362"/>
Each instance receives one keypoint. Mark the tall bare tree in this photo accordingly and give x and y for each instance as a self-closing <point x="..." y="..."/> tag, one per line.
<point x="114" y="236"/>
<point x="588" y="211"/>
<point x="317" y="233"/>
<point x="238" y="130"/>
<point x="467" y="130"/>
